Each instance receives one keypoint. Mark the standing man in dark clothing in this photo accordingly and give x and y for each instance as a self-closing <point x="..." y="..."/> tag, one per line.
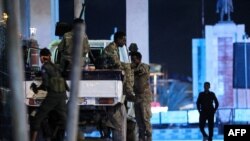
<point x="55" y="85"/>
<point x="207" y="104"/>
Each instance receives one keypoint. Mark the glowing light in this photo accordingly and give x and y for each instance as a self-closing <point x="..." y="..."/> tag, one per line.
<point x="159" y="109"/>
<point x="5" y="16"/>
<point x="33" y="31"/>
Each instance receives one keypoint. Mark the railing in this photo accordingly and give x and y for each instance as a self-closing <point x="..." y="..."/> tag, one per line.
<point x="188" y="117"/>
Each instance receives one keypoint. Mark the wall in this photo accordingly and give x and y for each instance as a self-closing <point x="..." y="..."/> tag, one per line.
<point x="137" y="26"/>
<point x="43" y="17"/>
<point x="102" y="16"/>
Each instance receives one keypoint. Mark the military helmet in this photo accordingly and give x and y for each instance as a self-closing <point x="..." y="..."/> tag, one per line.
<point x="133" y="47"/>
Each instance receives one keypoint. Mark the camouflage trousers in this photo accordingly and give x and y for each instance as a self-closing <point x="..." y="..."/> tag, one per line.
<point x="66" y="62"/>
<point x="132" y="133"/>
<point x="116" y="120"/>
<point x="143" y="115"/>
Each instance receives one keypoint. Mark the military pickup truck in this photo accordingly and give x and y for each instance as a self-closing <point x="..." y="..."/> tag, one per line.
<point x="100" y="90"/>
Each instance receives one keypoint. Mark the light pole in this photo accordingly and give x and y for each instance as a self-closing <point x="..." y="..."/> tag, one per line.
<point x="203" y="18"/>
<point x="245" y="37"/>
<point x="15" y="66"/>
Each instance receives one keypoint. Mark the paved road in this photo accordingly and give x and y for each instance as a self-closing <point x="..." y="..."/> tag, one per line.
<point x="176" y="134"/>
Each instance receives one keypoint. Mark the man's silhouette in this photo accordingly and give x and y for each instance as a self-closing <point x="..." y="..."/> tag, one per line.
<point x="207" y="110"/>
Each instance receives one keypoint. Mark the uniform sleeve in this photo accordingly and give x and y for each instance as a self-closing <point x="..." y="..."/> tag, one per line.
<point x="215" y="101"/>
<point x="128" y="78"/>
<point x="113" y="54"/>
<point x="60" y="50"/>
<point x="143" y="69"/>
<point x="198" y="102"/>
<point x="108" y="50"/>
<point x="61" y="44"/>
<point x="86" y="46"/>
<point x="45" y="79"/>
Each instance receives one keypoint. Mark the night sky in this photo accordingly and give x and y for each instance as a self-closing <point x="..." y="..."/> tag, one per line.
<point x="172" y="25"/>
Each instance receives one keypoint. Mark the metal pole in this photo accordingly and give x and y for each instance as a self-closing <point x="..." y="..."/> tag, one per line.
<point x="246" y="73"/>
<point x="15" y="66"/>
<point x="77" y="8"/>
<point x="155" y="86"/>
<point x="237" y="98"/>
<point x="73" y="109"/>
<point x="203" y="18"/>
<point x="83" y="15"/>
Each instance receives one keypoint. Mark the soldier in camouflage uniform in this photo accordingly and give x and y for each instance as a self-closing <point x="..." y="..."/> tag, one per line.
<point x="66" y="45"/>
<point x="133" y="48"/>
<point x="55" y="101"/>
<point x="143" y="93"/>
<point x="117" y="113"/>
<point x="111" y="53"/>
<point x="128" y="84"/>
<point x="132" y="128"/>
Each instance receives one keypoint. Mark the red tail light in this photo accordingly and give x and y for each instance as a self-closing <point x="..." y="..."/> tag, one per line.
<point x="106" y="101"/>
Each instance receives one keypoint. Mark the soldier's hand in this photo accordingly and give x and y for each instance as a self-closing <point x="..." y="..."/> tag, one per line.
<point x="130" y="97"/>
<point x="34" y="88"/>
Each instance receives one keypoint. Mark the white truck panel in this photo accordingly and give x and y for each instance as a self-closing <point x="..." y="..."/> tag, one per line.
<point x="88" y="89"/>
<point x="105" y="88"/>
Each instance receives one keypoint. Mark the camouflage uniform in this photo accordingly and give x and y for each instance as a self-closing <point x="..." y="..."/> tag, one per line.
<point x="128" y="83"/>
<point x="143" y="109"/>
<point x="115" y="114"/>
<point x="111" y="53"/>
<point x="55" y="100"/>
<point x="65" y="50"/>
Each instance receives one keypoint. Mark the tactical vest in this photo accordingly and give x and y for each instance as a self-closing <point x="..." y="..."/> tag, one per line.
<point x="56" y="81"/>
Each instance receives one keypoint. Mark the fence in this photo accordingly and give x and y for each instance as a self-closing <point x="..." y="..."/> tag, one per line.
<point x="188" y="117"/>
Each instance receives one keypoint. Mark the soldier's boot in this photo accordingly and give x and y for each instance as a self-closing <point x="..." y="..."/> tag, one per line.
<point x="148" y="136"/>
<point x="61" y="135"/>
<point x="210" y="139"/>
<point x="34" y="135"/>
<point x="80" y="135"/>
<point x="106" y="133"/>
<point x="205" y="138"/>
<point x="141" y="137"/>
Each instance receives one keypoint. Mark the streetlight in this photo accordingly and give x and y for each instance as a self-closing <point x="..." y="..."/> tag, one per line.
<point x="245" y="37"/>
